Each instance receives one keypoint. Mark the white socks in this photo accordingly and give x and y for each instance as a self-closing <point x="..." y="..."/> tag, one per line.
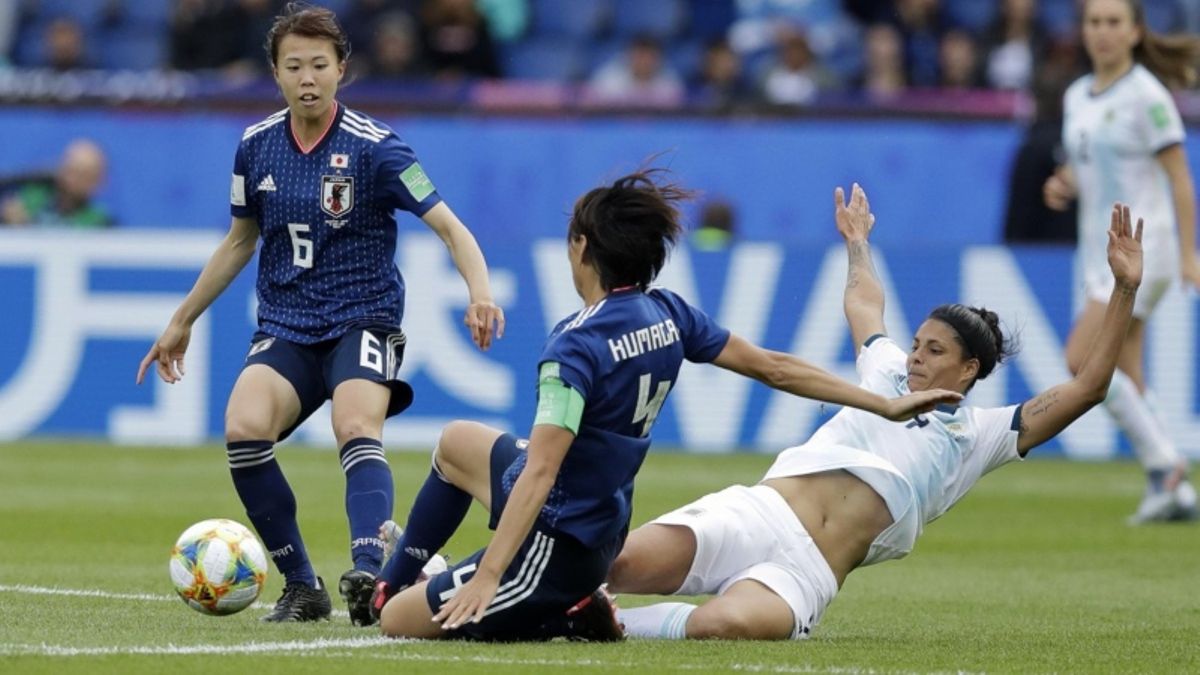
<point x="1154" y="449"/>
<point x="664" y="621"/>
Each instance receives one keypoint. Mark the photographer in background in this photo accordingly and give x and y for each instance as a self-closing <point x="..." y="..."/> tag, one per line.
<point x="65" y="198"/>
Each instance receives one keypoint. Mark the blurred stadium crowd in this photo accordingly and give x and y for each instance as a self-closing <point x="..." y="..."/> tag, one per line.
<point x="726" y="52"/>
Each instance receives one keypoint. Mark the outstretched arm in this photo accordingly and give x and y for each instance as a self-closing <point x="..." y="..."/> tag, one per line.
<point x="483" y="315"/>
<point x="235" y="251"/>
<point x="863" y="300"/>
<point x="796" y="376"/>
<point x="1045" y="415"/>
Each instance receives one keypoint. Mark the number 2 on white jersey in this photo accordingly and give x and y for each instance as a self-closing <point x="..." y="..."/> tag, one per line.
<point x="647" y="407"/>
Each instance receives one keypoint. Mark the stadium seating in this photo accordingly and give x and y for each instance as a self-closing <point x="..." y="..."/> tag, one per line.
<point x="664" y="19"/>
<point x="573" y="20"/>
<point x="544" y="58"/>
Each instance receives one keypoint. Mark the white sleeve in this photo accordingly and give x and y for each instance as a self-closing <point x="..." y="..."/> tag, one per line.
<point x="1159" y="121"/>
<point x="883" y="366"/>
<point x="996" y="432"/>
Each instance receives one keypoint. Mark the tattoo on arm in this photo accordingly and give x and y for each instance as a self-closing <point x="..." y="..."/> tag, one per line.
<point x="860" y="264"/>
<point x="1039" y="406"/>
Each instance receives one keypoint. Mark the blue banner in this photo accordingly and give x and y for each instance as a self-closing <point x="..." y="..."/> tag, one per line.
<point x="80" y="311"/>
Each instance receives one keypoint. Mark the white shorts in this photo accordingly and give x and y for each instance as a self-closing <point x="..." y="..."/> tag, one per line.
<point x="751" y="533"/>
<point x="1099" y="287"/>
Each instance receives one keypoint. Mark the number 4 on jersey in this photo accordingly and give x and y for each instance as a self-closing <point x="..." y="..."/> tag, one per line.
<point x="647" y="408"/>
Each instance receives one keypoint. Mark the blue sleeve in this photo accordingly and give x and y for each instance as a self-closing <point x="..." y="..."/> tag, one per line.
<point x="577" y="364"/>
<point x="703" y="339"/>
<point x="400" y="182"/>
<point x="240" y="204"/>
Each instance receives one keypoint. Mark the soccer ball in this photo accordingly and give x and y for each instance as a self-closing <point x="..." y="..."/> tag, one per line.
<point x="218" y="567"/>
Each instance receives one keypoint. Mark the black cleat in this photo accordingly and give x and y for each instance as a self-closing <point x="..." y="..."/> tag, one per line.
<point x="301" y="602"/>
<point x="356" y="588"/>
<point x="594" y="619"/>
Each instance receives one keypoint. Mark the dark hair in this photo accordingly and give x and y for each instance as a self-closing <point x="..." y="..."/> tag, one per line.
<point x="978" y="331"/>
<point x="1172" y="58"/>
<point x="305" y="20"/>
<point x="630" y="227"/>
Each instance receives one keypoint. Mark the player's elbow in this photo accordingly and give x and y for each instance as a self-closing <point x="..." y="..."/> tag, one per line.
<point x="773" y="370"/>
<point x="1092" y="390"/>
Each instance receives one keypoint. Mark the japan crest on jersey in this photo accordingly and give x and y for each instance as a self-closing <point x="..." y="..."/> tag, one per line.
<point x="337" y="195"/>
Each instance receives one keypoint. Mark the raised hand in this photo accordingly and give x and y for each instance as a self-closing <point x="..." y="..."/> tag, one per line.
<point x="1125" y="247"/>
<point x="167" y="353"/>
<point x="854" y="219"/>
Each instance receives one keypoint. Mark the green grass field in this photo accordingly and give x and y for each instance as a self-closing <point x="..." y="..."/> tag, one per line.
<point x="1035" y="571"/>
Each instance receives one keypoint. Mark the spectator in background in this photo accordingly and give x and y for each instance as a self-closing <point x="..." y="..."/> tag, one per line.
<point x="64" y="198"/>
<point x="1027" y="219"/>
<point x="507" y="19"/>
<point x="883" y="73"/>
<point x="958" y="62"/>
<point x="65" y="46"/>
<point x="10" y="18"/>
<point x="921" y="25"/>
<point x="718" y="226"/>
<point x="394" y="49"/>
<point x="640" y="76"/>
<point x="1013" y="44"/>
<point x="721" y="84"/>
<point x="200" y="38"/>
<point x="249" y="20"/>
<point x="795" y="78"/>
<point x="363" y="19"/>
<point x="457" y="41"/>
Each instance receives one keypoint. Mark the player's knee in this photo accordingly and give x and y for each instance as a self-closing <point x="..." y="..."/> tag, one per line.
<point x="350" y="427"/>
<point x="454" y="444"/>
<point x="242" y="427"/>
<point x="726" y="621"/>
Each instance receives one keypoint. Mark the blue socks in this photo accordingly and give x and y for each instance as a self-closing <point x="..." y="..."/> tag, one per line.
<point x="271" y="507"/>
<point x="437" y="512"/>
<point x="369" y="496"/>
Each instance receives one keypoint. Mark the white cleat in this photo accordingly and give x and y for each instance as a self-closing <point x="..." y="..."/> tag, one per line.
<point x="390" y="533"/>
<point x="1185" y="501"/>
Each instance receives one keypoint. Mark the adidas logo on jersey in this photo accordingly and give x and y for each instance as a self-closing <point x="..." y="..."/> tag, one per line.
<point x="267" y="184"/>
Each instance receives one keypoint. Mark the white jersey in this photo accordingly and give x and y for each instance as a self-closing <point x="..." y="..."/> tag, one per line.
<point x="1112" y="139"/>
<point x="920" y="468"/>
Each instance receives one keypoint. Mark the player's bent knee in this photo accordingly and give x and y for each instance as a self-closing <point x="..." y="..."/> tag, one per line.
<point x="241" y="427"/>
<point x="357" y="426"/>
<point x="463" y="443"/>
<point x="724" y="621"/>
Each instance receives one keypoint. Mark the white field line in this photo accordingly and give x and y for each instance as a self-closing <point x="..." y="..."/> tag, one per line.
<point x="337" y="647"/>
<point x="191" y="650"/>
<point x="141" y="597"/>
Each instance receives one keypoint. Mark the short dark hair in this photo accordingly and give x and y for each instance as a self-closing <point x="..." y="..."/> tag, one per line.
<point x="977" y="330"/>
<point x="630" y="226"/>
<point x="305" y="20"/>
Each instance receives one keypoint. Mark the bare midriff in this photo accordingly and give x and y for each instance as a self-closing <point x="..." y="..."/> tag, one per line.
<point x="841" y="513"/>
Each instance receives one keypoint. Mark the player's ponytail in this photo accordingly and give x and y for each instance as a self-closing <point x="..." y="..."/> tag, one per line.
<point x="1172" y="58"/>
<point x="630" y="227"/>
<point x="977" y="330"/>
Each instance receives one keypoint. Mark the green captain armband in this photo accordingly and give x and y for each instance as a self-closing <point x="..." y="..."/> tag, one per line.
<point x="558" y="404"/>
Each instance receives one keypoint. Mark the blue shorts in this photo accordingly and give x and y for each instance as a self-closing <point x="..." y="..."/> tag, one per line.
<point x="550" y="573"/>
<point x="315" y="370"/>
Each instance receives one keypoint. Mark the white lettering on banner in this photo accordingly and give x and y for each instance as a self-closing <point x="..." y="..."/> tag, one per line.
<point x="710" y="403"/>
<point x="67" y="315"/>
<point x="991" y="277"/>
<point x="441" y="346"/>
<point x="1171" y="351"/>
<point x="819" y="338"/>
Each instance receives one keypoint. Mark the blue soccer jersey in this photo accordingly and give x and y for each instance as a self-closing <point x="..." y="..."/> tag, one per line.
<point x="623" y="356"/>
<point x="327" y="221"/>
